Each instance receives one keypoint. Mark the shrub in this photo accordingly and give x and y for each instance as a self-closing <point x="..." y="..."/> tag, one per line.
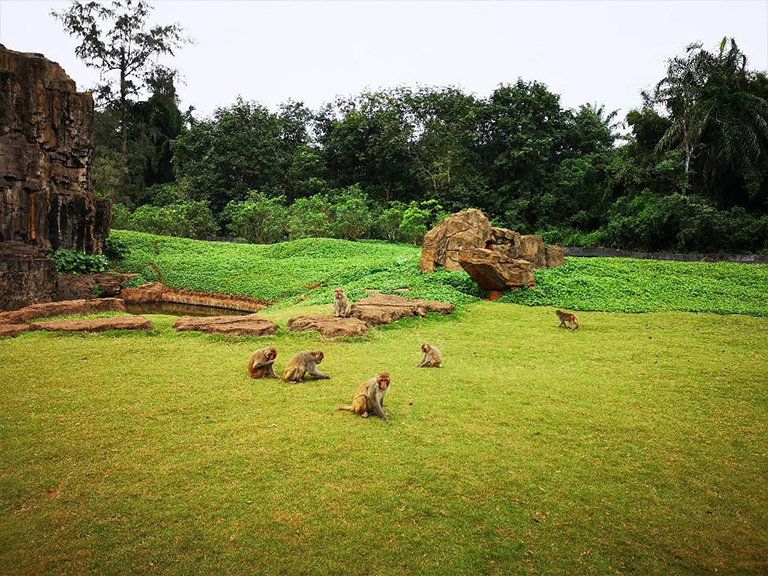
<point x="115" y="249"/>
<point x="311" y="217"/>
<point x="388" y="222"/>
<point x="120" y="217"/>
<point x="262" y="220"/>
<point x="189" y="219"/>
<point x="69" y="262"/>
<point x="353" y="218"/>
<point x="417" y="219"/>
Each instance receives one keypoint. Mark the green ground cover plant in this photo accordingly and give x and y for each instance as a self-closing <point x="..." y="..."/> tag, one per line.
<point x="634" y="445"/>
<point x="306" y="272"/>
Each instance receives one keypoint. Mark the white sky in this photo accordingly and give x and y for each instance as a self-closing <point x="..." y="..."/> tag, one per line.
<point x="598" y="51"/>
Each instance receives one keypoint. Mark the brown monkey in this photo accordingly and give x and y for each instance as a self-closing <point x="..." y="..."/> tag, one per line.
<point x="369" y="398"/>
<point x="341" y="306"/>
<point x="304" y="363"/>
<point x="567" y="317"/>
<point x="261" y="362"/>
<point x="432" y="357"/>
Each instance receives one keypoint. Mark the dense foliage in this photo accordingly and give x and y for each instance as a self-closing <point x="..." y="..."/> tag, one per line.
<point x="689" y="176"/>
<point x="70" y="262"/>
<point x="308" y="270"/>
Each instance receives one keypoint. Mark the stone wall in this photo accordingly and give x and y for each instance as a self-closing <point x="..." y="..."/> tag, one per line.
<point x="46" y="140"/>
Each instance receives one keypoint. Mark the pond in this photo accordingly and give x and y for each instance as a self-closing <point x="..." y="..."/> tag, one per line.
<point x="178" y="309"/>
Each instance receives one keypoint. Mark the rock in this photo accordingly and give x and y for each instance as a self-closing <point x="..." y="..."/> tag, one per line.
<point x="328" y="326"/>
<point x="46" y="140"/>
<point x="250" y="325"/>
<point x="65" y="308"/>
<point x="11" y="330"/>
<point x="503" y="236"/>
<point x="158" y="292"/>
<point x="27" y="275"/>
<point x="386" y="308"/>
<point x="468" y="229"/>
<point x="554" y="256"/>
<point x="95" y="324"/>
<point x="496" y="271"/>
<point x="82" y="286"/>
<point x="530" y="248"/>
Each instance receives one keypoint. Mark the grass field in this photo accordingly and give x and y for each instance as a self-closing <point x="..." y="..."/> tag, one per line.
<point x="635" y="445"/>
<point x="306" y="271"/>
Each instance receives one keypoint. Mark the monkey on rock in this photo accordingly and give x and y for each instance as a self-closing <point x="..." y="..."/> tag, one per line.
<point x="341" y="306"/>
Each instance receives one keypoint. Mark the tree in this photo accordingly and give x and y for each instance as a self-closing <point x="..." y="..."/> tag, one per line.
<point x="124" y="54"/>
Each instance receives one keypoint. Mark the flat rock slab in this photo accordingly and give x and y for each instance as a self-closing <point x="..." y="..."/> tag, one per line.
<point x="11" y="330"/>
<point x="95" y="324"/>
<point x="250" y="325"/>
<point x="63" y="308"/>
<point x="386" y="308"/>
<point x="328" y="326"/>
<point x="496" y="271"/>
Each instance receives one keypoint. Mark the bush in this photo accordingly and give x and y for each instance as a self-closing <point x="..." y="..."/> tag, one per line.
<point x="121" y="217"/>
<point x="311" y="218"/>
<point x="115" y="250"/>
<point x="388" y="222"/>
<point x="262" y="220"/>
<point x="190" y="219"/>
<point x="69" y="262"/>
<point x="353" y="219"/>
<point x="418" y="219"/>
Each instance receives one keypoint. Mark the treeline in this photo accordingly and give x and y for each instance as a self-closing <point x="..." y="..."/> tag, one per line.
<point x="689" y="176"/>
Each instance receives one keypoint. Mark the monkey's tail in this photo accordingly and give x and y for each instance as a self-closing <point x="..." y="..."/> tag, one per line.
<point x="346" y="408"/>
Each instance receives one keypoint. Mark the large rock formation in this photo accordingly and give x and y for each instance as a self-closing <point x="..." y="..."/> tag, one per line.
<point x="497" y="258"/>
<point x="46" y="140"/>
<point x="26" y="275"/>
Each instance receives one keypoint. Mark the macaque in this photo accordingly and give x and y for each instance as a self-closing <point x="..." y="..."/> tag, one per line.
<point x="260" y="364"/>
<point x="304" y="363"/>
<point x="369" y="398"/>
<point x="341" y="306"/>
<point x="432" y="357"/>
<point x="566" y="318"/>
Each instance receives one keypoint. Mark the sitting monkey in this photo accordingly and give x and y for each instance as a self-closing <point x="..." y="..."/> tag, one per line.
<point x="566" y="318"/>
<point x="432" y="357"/>
<point x="341" y="306"/>
<point x="369" y="397"/>
<point x="304" y="363"/>
<point x="261" y="362"/>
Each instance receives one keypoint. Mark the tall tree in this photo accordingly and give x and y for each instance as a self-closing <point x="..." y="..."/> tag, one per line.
<point x="117" y="41"/>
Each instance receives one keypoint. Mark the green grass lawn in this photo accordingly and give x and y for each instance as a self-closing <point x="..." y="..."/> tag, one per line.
<point x="634" y="445"/>
<point x="305" y="272"/>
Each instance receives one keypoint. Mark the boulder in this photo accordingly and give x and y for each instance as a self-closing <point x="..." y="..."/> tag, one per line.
<point x="496" y="271"/>
<point x="554" y="256"/>
<point x="386" y="308"/>
<point x="467" y="229"/>
<point x="95" y="324"/>
<point x="65" y="308"/>
<point x="152" y="292"/>
<point x="530" y="248"/>
<point x="328" y="326"/>
<point x="250" y="325"/>
<point x="83" y="286"/>
<point x="11" y="330"/>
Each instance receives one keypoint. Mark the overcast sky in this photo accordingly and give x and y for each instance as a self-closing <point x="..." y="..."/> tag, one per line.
<point x="602" y="52"/>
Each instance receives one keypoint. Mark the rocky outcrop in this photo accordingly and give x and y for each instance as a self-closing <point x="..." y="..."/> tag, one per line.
<point x="250" y="325"/>
<point x="11" y="330"/>
<point x="46" y="140"/>
<point x="89" y="286"/>
<point x="95" y="324"/>
<point x="328" y="326"/>
<point x="386" y="308"/>
<point x="529" y="248"/>
<point x="26" y="275"/>
<point x="495" y="270"/>
<point x="555" y="256"/>
<point x="66" y="308"/>
<point x="468" y="229"/>
<point x="158" y="292"/>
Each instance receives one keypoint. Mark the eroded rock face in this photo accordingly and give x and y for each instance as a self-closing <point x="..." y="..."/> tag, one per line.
<point x="82" y="286"/>
<point x="95" y="324"/>
<point x="158" y="292"/>
<point x="250" y="325"/>
<point x="26" y="275"/>
<point x="468" y="229"/>
<point x="555" y="256"/>
<point x="328" y="326"/>
<point x="386" y="308"/>
<point x="530" y="248"/>
<point x="46" y="140"/>
<point x="65" y="308"/>
<point x="495" y="270"/>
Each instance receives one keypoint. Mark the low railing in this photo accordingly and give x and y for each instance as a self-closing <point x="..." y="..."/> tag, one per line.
<point x="615" y="253"/>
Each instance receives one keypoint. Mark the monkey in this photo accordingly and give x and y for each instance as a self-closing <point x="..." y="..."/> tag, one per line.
<point x="369" y="398"/>
<point x="260" y="364"/>
<point x="565" y="318"/>
<point x="432" y="357"/>
<point x="341" y="306"/>
<point x="304" y="363"/>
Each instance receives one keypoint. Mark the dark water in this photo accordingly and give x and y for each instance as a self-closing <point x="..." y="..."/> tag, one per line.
<point x="177" y="309"/>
